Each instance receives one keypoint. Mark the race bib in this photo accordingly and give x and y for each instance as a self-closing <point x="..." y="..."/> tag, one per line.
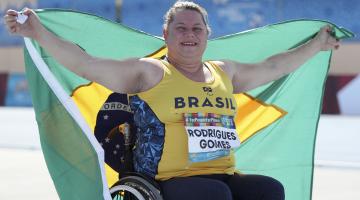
<point x="210" y="136"/>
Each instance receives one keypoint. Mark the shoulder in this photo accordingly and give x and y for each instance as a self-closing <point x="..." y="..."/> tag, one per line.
<point x="224" y="65"/>
<point x="151" y="65"/>
<point x="150" y="61"/>
<point x="152" y="73"/>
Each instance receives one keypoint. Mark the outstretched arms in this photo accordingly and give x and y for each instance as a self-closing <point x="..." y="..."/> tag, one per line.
<point x="127" y="76"/>
<point x="249" y="76"/>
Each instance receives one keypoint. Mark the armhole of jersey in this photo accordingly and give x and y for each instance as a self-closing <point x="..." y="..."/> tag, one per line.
<point x="165" y="63"/>
<point x="219" y="70"/>
<point x="214" y="67"/>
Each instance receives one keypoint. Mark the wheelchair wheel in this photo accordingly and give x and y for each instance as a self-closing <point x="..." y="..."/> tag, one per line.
<point x="134" y="188"/>
<point x="124" y="192"/>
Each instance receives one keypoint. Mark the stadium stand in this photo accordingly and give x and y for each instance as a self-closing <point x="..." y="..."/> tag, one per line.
<point x="231" y="16"/>
<point x="17" y="92"/>
<point x="225" y="18"/>
<point x="343" y="12"/>
<point x="104" y="8"/>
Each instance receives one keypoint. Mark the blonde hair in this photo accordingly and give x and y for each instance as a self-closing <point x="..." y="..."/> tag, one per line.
<point x="185" y="5"/>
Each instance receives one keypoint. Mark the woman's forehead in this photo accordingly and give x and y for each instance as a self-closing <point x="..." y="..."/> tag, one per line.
<point x="188" y="17"/>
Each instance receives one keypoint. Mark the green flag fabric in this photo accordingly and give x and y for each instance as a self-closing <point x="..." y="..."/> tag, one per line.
<point x="75" y="159"/>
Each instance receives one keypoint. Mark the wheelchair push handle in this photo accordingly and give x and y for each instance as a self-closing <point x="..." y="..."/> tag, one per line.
<point x="125" y="129"/>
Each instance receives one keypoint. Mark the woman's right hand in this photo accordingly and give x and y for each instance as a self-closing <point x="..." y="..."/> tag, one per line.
<point x="30" y="28"/>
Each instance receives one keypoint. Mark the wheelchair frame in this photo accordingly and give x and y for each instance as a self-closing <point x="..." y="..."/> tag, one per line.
<point x="132" y="185"/>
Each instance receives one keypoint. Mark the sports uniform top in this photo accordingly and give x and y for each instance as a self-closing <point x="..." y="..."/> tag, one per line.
<point x="161" y="150"/>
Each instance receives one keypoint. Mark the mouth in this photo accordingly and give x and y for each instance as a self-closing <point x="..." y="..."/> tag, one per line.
<point x="191" y="44"/>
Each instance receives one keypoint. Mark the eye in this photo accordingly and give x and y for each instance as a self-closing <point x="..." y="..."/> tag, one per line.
<point x="180" y="28"/>
<point x="197" y="29"/>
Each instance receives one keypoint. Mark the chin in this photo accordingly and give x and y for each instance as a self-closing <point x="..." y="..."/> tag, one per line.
<point x="191" y="54"/>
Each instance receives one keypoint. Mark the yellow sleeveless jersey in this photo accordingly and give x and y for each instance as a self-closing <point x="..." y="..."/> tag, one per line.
<point x="161" y="150"/>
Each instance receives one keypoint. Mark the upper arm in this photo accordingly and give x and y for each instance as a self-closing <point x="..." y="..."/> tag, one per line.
<point x="123" y="76"/>
<point x="247" y="76"/>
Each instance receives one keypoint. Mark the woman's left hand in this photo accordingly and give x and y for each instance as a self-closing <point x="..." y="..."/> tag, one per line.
<point x="325" y="40"/>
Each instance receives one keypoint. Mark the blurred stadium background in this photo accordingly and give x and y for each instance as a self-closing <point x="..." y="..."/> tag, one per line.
<point x="338" y="136"/>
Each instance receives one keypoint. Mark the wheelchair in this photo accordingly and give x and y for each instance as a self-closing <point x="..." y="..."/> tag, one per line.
<point x="114" y="124"/>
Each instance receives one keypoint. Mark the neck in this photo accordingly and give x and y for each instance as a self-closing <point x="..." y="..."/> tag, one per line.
<point x="187" y="65"/>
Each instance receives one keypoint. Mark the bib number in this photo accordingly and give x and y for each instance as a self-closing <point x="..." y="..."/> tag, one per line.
<point x="210" y="136"/>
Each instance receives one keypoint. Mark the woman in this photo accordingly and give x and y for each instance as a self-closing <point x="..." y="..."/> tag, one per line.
<point x="180" y="102"/>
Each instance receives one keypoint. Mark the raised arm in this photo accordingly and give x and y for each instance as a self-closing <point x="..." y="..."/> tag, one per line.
<point x="126" y="76"/>
<point x="249" y="76"/>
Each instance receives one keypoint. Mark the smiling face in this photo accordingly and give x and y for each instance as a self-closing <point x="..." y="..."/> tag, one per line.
<point x="186" y="36"/>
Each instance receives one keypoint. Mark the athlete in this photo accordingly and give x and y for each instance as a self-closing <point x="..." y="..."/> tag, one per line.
<point x="184" y="107"/>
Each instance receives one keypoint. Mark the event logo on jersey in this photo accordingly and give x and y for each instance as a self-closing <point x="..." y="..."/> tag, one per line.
<point x="208" y="91"/>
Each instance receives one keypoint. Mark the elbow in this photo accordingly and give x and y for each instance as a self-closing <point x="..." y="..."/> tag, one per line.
<point x="276" y="69"/>
<point x="83" y="67"/>
<point x="270" y="64"/>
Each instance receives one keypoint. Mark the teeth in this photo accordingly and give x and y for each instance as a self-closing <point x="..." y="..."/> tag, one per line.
<point x="189" y="43"/>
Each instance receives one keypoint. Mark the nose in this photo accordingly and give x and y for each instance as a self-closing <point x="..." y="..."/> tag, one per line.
<point x="189" y="34"/>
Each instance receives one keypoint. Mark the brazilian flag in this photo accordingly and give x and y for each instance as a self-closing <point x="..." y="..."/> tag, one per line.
<point x="276" y="122"/>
